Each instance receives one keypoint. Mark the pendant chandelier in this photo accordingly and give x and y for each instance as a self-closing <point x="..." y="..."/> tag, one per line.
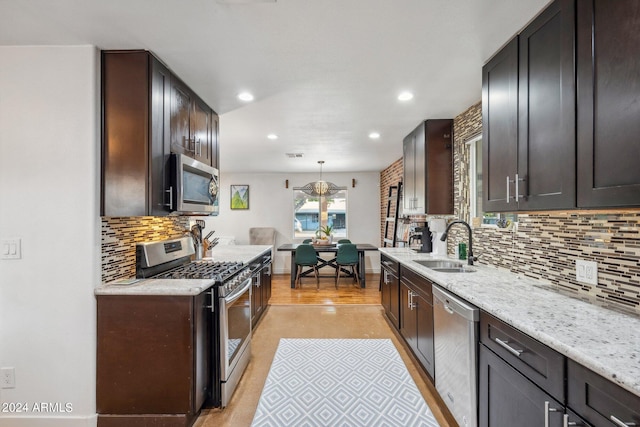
<point x="320" y="187"/>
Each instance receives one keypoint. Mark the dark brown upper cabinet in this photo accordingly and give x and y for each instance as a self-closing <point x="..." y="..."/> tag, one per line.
<point x="147" y="114"/>
<point x="546" y="111"/>
<point x="528" y="117"/>
<point x="194" y="130"/>
<point x="135" y="134"/>
<point x="608" y="118"/>
<point x="500" y="128"/>
<point x="428" y="168"/>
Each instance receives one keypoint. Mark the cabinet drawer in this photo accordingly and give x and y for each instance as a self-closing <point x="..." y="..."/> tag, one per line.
<point x="390" y="265"/>
<point x="542" y="365"/>
<point x="417" y="283"/>
<point x="597" y="399"/>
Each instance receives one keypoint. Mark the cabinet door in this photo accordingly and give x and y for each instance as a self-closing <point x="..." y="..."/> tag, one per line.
<point x="546" y="142"/>
<point x="438" y="173"/>
<point x="409" y="179"/>
<point x="408" y="315"/>
<point x="181" y="117"/>
<point x="394" y="300"/>
<point x="202" y="352"/>
<point x="125" y="137"/>
<point x="390" y="297"/>
<point x="500" y="128"/>
<point x="507" y="399"/>
<point x="419" y="168"/>
<point x="424" y="333"/>
<point x="201" y="132"/>
<point x="215" y="140"/>
<point x="160" y="133"/>
<point x="608" y="48"/>
<point x="265" y="278"/>
<point x="384" y="290"/>
<point x="256" y="300"/>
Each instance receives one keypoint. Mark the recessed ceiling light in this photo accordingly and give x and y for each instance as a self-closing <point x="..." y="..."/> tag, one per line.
<point x="405" y="96"/>
<point x="245" y="96"/>
<point x="272" y="136"/>
<point x="374" y="135"/>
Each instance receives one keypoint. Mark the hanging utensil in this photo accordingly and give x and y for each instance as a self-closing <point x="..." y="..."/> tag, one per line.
<point x="209" y="235"/>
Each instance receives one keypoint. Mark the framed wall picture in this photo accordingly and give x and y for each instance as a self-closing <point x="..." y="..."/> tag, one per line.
<point x="239" y="197"/>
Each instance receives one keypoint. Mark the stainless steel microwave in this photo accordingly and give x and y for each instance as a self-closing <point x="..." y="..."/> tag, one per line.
<point x="193" y="187"/>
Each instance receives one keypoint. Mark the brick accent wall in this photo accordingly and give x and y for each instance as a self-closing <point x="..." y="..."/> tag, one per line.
<point x="545" y="245"/>
<point x="392" y="175"/>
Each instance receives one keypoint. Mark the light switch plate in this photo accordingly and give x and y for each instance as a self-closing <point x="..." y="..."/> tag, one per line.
<point x="587" y="272"/>
<point x="11" y="248"/>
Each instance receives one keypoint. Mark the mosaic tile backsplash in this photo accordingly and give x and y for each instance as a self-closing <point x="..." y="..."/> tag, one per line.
<point x="120" y="235"/>
<point x="546" y="245"/>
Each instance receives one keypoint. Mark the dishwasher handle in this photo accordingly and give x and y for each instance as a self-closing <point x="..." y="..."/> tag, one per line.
<point x="455" y="305"/>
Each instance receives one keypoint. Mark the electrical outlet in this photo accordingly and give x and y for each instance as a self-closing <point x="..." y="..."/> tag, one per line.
<point x="7" y="378"/>
<point x="587" y="272"/>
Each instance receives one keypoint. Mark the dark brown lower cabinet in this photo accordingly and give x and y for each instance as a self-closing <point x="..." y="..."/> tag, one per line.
<point x="508" y="398"/>
<point x="260" y="292"/>
<point x="599" y="401"/>
<point x="153" y="359"/>
<point x="390" y="290"/>
<point x="416" y="317"/>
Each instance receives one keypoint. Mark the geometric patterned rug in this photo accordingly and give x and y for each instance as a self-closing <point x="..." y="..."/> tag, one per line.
<point x="340" y="382"/>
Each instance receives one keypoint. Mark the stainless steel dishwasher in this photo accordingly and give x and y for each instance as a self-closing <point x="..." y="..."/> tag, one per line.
<point x="455" y="327"/>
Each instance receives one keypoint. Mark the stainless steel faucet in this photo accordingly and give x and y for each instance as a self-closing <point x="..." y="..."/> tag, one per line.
<point x="470" y="257"/>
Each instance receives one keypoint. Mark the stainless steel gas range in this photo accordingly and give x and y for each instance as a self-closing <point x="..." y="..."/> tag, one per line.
<point x="229" y="304"/>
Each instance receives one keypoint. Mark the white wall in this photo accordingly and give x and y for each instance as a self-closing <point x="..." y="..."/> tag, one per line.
<point x="49" y="187"/>
<point x="271" y="205"/>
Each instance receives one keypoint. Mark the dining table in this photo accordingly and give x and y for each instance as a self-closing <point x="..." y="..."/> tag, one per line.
<point x="330" y="262"/>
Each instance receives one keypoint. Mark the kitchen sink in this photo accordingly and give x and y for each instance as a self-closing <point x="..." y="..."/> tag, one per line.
<point x="444" y="266"/>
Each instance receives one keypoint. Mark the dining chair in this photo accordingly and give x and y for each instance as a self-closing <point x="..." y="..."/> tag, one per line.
<point x="341" y="241"/>
<point x="347" y="256"/>
<point x="306" y="256"/>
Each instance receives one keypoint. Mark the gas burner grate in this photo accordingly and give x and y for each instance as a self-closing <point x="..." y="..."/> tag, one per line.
<point x="219" y="271"/>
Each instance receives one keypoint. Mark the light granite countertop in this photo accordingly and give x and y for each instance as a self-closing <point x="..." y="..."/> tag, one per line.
<point x="184" y="287"/>
<point x="601" y="339"/>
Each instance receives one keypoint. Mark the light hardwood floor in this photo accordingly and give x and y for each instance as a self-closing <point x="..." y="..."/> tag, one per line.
<point x="349" y="312"/>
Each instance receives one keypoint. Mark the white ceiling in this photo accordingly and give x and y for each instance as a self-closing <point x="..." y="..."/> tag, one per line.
<point x="325" y="73"/>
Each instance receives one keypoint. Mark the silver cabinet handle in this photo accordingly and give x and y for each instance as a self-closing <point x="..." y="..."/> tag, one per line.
<point x="211" y="307"/>
<point x="506" y="346"/>
<point x="547" y="409"/>
<point x="516" y="183"/>
<point x="508" y="195"/>
<point x="620" y="423"/>
<point x="410" y="297"/>
<point x="448" y="309"/>
<point x="567" y="423"/>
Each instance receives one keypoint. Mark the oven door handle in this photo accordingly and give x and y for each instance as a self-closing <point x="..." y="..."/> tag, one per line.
<point x="236" y="294"/>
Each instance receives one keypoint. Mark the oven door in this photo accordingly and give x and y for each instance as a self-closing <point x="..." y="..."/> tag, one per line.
<point x="235" y="338"/>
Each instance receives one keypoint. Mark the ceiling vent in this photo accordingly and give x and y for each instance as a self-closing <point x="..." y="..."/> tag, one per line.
<point x="294" y="155"/>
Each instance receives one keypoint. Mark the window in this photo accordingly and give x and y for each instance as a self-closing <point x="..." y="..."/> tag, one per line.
<point x="312" y="212"/>
<point x="501" y="220"/>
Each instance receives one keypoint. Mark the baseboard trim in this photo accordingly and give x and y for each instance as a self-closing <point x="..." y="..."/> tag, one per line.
<point x="61" y="421"/>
